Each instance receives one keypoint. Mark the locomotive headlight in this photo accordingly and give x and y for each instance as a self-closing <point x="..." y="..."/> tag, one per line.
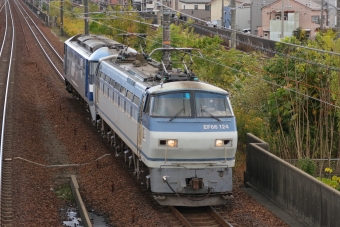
<point x="168" y="143"/>
<point x="223" y="143"/>
<point x="172" y="143"/>
<point x="218" y="143"/>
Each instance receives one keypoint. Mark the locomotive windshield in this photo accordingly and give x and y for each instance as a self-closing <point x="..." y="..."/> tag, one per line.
<point x="189" y="104"/>
<point x="169" y="105"/>
<point x="210" y="104"/>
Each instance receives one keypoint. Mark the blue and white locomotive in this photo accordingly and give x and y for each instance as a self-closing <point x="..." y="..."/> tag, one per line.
<point x="179" y="133"/>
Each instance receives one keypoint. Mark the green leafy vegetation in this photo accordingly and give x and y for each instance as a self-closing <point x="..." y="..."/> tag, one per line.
<point x="289" y="100"/>
<point x="333" y="181"/>
<point x="64" y="192"/>
<point x="307" y="165"/>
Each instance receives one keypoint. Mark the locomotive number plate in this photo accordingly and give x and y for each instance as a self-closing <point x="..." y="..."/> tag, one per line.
<point x="205" y="127"/>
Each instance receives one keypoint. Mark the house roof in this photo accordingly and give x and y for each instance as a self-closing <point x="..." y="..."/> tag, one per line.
<point x="238" y="2"/>
<point x="195" y="1"/>
<point x="308" y="3"/>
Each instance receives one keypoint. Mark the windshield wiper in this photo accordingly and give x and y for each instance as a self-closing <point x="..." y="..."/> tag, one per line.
<point x="181" y="110"/>
<point x="203" y="109"/>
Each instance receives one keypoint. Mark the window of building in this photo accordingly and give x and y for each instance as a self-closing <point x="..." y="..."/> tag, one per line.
<point x="183" y="6"/>
<point x="315" y="19"/>
<point x="196" y="6"/>
<point x="207" y="7"/>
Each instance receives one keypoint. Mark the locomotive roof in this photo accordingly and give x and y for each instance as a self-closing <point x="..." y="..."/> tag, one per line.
<point x="143" y="73"/>
<point x="93" y="47"/>
<point x="186" y="85"/>
<point x="93" y="42"/>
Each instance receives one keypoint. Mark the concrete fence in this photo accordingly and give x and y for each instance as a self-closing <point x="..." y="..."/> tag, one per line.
<point x="302" y="195"/>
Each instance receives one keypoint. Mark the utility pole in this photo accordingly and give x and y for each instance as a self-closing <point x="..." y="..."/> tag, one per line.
<point x="222" y="16"/>
<point x="233" y="23"/>
<point x="159" y="13"/>
<point x="338" y="16"/>
<point x="86" y="14"/>
<point x="48" y="7"/>
<point x="321" y="20"/>
<point x="166" y="32"/>
<point x="61" y="17"/>
<point x="282" y="20"/>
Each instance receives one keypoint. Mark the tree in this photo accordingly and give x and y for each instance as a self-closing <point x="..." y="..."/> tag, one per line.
<point x="302" y="113"/>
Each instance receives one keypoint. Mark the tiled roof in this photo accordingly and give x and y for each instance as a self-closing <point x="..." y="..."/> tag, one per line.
<point x="308" y="3"/>
<point x="195" y="1"/>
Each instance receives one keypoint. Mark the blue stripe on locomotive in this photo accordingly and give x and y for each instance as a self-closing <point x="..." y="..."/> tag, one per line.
<point x="161" y="159"/>
<point x="190" y="124"/>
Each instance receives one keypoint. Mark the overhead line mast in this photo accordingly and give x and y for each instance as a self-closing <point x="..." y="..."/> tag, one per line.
<point x="166" y="32"/>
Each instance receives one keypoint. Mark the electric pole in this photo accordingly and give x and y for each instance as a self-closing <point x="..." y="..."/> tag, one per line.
<point x="282" y="20"/>
<point x="166" y="32"/>
<point x="338" y="16"/>
<point x="321" y="20"/>
<point x="233" y="23"/>
<point x="62" y="17"/>
<point x="222" y="16"/>
<point x="86" y="14"/>
<point x="159" y="13"/>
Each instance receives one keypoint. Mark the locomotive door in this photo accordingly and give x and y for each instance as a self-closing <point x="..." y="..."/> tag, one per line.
<point x="140" y="125"/>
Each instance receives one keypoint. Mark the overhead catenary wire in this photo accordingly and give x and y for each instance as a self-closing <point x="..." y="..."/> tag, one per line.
<point x="198" y="19"/>
<point x="248" y="74"/>
<point x="267" y="81"/>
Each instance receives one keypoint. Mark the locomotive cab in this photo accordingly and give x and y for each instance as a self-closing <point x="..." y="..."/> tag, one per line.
<point x="189" y="104"/>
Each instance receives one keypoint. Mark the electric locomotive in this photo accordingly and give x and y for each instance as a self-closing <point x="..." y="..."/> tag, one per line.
<point x="178" y="133"/>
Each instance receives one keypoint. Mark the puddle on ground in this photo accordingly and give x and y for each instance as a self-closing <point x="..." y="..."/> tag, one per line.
<point x="73" y="219"/>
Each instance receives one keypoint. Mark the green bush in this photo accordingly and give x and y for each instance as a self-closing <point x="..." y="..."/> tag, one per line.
<point x="307" y="165"/>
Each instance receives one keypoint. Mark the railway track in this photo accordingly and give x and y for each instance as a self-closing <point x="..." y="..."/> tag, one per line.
<point x="6" y="57"/>
<point x="55" y="59"/>
<point x="7" y="50"/>
<point x="202" y="216"/>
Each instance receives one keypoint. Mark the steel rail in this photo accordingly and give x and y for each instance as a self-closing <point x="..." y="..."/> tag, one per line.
<point x="213" y="213"/>
<point x="6" y="97"/>
<point x="4" y="38"/>
<point x="61" y="59"/>
<point x="42" y="48"/>
<point x="219" y="218"/>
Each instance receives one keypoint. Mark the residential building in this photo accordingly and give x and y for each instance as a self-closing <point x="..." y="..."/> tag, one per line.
<point x="242" y="16"/>
<point x="297" y="13"/>
<point x="194" y="8"/>
<point x="216" y="9"/>
<point x="256" y="14"/>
